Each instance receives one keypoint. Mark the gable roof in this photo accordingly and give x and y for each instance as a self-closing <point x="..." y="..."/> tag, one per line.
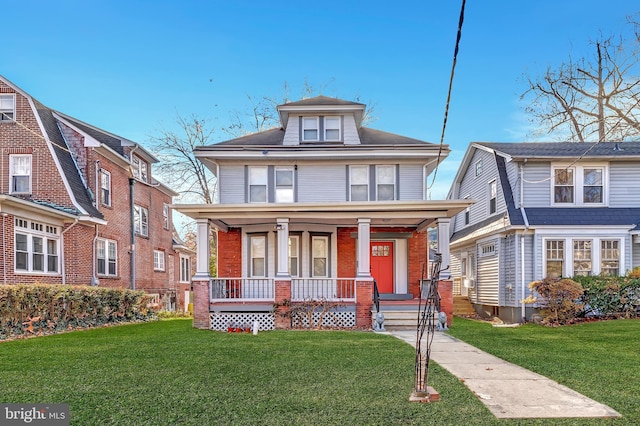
<point x="320" y="100"/>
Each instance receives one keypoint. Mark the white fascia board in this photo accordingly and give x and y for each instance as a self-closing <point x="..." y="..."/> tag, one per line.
<point x="315" y="155"/>
<point x="54" y="156"/>
<point x="89" y="141"/>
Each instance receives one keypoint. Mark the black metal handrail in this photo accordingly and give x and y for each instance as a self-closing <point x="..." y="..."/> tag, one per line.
<point x="376" y="296"/>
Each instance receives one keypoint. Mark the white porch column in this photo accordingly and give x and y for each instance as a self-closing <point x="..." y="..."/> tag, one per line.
<point x="443" y="246"/>
<point x="282" y="226"/>
<point x="203" y="250"/>
<point x="364" y="240"/>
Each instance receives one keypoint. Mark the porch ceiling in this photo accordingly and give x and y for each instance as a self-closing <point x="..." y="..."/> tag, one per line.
<point x="418" y="214"/>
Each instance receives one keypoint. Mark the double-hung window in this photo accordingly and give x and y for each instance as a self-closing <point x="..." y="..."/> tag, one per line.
<point x="294" y="255"/>
<point x="319" y="256"/>
<point x="310" y="128"/>
<point x="385" y="183"/>
<point x="185" y="268"/>
<point x="141" y="220"/>
<point x="554" y="258"/>
<point x="258" y="255"/>
<point x="7" y="107"/>
<point x="582" y="185"/>
<point x="359" y="183"/>
<point x="105" y="187"/>
<point x="563" y="186"/>
<point x="166" y="222"/>
<point x="158" y="260"/>
<point x="284" y="184"/>
<point x="140" y="169"/>
<point x="582" y="264"/>
<point x="36" y="247"/>
<point x="106" y="257"/>
<point x="610" y="257"/>
<point x="20" y="173"/>
<point x="331" y="128"/>
<point x="258" y="184"/>
<point x="592" y="185"/>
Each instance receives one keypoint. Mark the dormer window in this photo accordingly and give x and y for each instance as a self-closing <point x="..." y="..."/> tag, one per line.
<point x="310" y="128"/>
<point x="140" y="169"/>
<point x="332" y="128"/>
<point x="580" y="185"/>
<point x="7" y="107"/>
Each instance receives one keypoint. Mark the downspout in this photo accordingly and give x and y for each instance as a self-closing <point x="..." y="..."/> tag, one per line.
<point x="522" y="257"/>
<point x="133" y="235"/>
<point x="4" y="255"/>
<point x="62" y="269"/>
<point x="94" y="255"/>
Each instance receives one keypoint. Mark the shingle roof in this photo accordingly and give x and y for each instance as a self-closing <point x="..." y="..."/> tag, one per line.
<point x="320" y="101"/>
<point x="275" y="137"/>
<point x="476" y="226"/>
<point x="566" y="149"/>
<point x="68" y="165"/>
<point x="515" y="215"/>
<point x="583" y="216"/>
<point x="110" y="141"/>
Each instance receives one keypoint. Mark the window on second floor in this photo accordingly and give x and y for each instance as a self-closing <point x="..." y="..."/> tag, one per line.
<point x="158" y="260"/>
<point x="105" y="187"/>
<point x="20" y="173"/>
<point x="258" y="184"/>
<point x="493" y="196"/>
<point x="332" y="128"/>
<point x="284" y="184"/>
<point x="386" y="183"/>
<point x="359" y="183"/>
<point x="310" y="128"/>
<point x="140" y="169"/>
<point x="579" y="185"/>
<point x="478" y="168"/>
<point x="7" y="107"/>
<point x="141" y="220"/>
<point x="467" y="213"/>
<point x="166" y="219"/>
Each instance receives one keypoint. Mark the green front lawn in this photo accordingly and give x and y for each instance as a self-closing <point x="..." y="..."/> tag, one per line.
<point x="168" y="373"/>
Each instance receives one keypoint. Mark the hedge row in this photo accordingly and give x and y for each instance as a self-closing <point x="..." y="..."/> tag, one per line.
<point x="610" y="296"/>
<point x="47" y="308"/>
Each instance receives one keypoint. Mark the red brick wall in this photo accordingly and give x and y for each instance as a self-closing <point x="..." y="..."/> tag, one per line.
<point x="364" y="295"/>
<point x="418" y="261"/>
<point x="347" y="252"/>
<point x="445" y="288"/>
<point x="230" y="253"/>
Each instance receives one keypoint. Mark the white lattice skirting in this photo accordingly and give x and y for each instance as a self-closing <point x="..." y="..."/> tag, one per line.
<point x="220" y="321"/>
<point x="346" y="319"/>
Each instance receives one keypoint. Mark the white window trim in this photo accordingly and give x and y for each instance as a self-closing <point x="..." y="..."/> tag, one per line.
<point x="31" y="230"/>
<point x="478" y="168"/>
<point x="326" y="256"/>
<point x="185" y="268"/>
<point x="12" y="158"/>
<point x="578" y="184"/>
<point x="251" y="256"/>
<point x="293" y="183"/>
<point x="351" y="184"/>
<point x="297" y="256"/>
<point x="393" y="173"/>
<point x="158" y="260"/>
<point x="166" y="216"/>
<point x="140" y="169"/>
<point x="492" y="182"/>
<point x="141" y="225"/>
<point x="266" y="184"/>
<point x="339" y="138"/>
<point x="567" y="267"/>
<point x="107" y="259"/>
<point x="105" y="174"/>
<point x="3" y="117"/>
<point x="316" y="128"/>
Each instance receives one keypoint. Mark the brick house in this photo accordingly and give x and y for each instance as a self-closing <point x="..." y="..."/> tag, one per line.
<point x="315" y="210"/>
<point x="80" y="206"/>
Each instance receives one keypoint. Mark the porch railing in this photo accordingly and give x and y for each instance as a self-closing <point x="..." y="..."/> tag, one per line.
<point x="323" y="288"/>
<point x="242" y="289"/>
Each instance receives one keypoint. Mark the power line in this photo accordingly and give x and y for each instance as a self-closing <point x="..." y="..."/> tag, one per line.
<point x="446" y="108"/>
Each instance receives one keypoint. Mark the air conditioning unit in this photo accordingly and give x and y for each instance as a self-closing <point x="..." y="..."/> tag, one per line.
<point x="469" y="283"/>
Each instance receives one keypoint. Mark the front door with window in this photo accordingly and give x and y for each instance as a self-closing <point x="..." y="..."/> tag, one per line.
<point x="382" y="265"/>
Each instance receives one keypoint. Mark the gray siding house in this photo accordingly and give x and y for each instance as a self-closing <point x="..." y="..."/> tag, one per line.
<point x="541" y="209"/>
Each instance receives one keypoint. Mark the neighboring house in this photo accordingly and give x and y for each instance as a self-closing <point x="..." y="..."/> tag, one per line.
<point x="559" y="209"/>
<point x="68" y="216"/>
<point x="315" y="210"/>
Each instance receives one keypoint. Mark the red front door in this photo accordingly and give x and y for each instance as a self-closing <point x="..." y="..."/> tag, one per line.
<point x="382" y="265"/>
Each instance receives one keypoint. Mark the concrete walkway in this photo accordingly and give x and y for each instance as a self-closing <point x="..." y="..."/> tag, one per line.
<point x="509" y="391"/>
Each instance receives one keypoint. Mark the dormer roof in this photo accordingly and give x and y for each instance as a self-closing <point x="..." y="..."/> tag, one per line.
<point x="321" y="105"/>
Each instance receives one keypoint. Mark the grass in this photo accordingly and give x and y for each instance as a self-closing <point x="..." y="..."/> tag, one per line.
<point x="167" y="373"/>
<point x="601" y="360"/>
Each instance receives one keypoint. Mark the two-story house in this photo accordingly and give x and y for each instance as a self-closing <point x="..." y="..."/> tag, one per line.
<point x="79" y="205"/>
<point x="316" y="209"/>
<point x="559" y="209"/>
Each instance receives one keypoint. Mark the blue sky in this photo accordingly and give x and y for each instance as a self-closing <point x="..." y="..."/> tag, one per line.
<point x="130" y="66"/>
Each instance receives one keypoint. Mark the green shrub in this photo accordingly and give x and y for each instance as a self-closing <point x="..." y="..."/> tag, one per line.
<point x="559" y="299"/>
<point x="611" y="296"/>
<point x="48" y="308"/>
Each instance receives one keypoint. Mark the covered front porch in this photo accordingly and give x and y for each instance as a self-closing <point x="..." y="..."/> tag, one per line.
<point x="286" y="254"/>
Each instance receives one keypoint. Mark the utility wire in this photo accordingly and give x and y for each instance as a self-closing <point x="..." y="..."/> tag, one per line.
<point x="446" y="108"/>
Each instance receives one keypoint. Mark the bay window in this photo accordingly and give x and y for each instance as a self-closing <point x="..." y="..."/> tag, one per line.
<point x="36" y="247"/>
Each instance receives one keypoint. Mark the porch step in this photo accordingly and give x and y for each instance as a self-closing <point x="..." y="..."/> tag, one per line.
<point x="398" y="315"/>
<point x="462" y="306"/>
